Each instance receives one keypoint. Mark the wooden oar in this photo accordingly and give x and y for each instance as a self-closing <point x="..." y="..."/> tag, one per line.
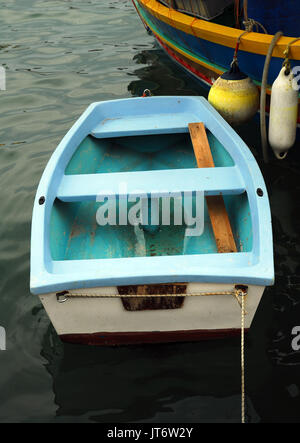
<point x="216" y="206"/>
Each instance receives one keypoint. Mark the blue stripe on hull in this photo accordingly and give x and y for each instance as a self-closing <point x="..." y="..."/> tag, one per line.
<point x="251" y="64"/>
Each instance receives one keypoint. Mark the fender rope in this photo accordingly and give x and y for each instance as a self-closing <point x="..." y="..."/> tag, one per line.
<point x="286" y="54"/>
<point x="249" y="22"/>
<point x="263" y="95"/>
<point x="249" y="26"/>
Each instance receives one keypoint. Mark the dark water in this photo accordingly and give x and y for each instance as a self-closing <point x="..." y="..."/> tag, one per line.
<point x="60" y="56"/>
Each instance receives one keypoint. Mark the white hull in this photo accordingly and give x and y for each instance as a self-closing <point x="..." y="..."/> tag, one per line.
<point x="93" y="315"/>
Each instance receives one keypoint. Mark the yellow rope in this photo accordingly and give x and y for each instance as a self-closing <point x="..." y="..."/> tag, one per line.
<point x="243" y="313"/>
<point x="198" y="294"/>
<point x="238" y="294"/>
<point x="286" y="54"/>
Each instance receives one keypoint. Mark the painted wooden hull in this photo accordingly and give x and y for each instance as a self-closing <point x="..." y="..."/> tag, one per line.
<point x="145" y="144"/>
<point x="98" y="321"/>
<point x="205" y="50"/>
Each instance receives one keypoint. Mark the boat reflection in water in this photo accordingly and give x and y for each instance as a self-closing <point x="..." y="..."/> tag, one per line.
<point x="161" y="76"/>
<point x="187" y="382"/>
<point x="157" y="383"/>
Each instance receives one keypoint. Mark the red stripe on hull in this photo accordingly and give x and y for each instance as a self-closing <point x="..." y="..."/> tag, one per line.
<point x="185" y="64"/>
<point x="130" y="338"/>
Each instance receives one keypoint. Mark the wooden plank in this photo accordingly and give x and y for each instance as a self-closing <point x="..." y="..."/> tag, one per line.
<point x="216" y="206"/>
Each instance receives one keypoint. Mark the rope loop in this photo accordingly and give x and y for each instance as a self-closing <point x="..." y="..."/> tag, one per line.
<point x="249" y="27"/>
<point x="250" y="24"/>
<point x="286" y="53"/>
<point x="147" y="93"/>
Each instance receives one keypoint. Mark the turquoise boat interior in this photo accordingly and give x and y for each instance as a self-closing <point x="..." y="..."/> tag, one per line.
<point x="75" y="233"/>
<point x="122" y="201"/>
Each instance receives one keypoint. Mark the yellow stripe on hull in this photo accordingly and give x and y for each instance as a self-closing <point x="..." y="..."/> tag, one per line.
<point x="223" y="35"/>
<point x="186" y="54"/>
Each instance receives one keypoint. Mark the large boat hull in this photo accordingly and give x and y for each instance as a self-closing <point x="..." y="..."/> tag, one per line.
<point x="205" y="55"/>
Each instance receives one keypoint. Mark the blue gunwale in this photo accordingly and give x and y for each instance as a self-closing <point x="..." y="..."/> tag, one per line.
<point x="255" y="267"/>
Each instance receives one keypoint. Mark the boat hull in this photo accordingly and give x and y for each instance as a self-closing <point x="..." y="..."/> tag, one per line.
<point x="102" y="321"/>
<point x="203" y="59"/>
<point x="93" y="265"/>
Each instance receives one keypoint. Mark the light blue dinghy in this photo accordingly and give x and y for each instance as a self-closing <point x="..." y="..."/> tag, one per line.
<point x="129" y="220"/>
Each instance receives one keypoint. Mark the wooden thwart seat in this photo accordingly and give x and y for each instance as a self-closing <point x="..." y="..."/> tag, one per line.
<point x="216" y="206"/>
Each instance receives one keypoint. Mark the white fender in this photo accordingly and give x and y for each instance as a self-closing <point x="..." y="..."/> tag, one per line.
<point x="283" y="114"/>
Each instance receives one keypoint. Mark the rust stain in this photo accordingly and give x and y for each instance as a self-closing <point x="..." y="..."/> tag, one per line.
<point x="93" y="233"/>
<point x="109" y="119"/>
<point x="77" y="230"/>
<point x="153" y="303"/>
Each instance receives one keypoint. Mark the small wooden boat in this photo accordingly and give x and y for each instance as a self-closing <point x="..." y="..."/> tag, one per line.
<point x="205" y="48"/>
<point x="118" y="282"/>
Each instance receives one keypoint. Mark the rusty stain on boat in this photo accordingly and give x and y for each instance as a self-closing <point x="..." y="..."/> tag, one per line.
<point x="153" y="303"/>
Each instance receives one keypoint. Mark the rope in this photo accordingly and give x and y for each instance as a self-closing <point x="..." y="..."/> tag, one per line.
<point x="147" y="93"/>
<point x="246" y="10"/>
<point x="249" y="23"/>
<point x="64" y="296"/>
<point x="235" y="56"/>
<point x="249" y="26"/>
<point x="263" y="96"/>
<point x="237" y="13"/>
<point x="67" y="294"/>
<point x="287" y="63"/>
<point x="243" y="395"/>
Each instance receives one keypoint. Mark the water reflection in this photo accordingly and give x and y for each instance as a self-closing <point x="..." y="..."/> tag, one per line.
<point x="145" y="383"/>
<point x="161" y="76"/>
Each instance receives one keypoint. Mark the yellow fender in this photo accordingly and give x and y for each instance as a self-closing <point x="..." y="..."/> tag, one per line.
<point x="235" y="96"/>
